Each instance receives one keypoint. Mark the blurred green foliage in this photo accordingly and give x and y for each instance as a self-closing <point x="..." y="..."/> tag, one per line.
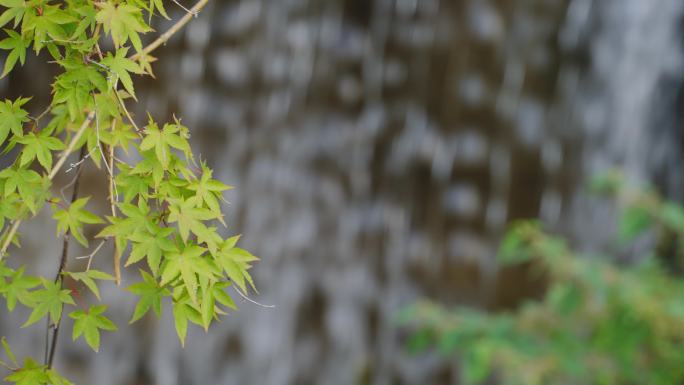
<point x="599" y="322"/>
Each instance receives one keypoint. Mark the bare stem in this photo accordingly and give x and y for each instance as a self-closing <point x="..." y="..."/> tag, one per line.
<point x="113" y="197"/>
<point x="62" y="264"/>
<point x="171" y="31"/>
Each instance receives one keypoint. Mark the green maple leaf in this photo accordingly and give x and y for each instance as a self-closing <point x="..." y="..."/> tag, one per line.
<point x="46" y="24"/>
<point x="236" y="262"/>
<point x="12" y="118"/>
<point x="151" y="245"/>
<point x="28" y="183"/>
<point x="76" y="97"/>
<point x="187" y="264"/>
<point x="89" y="324"/>
<point x="123" y="22"/>
<point x="213" y="292"/>
<point x="182" y="312"/>
<point x="135" y="219"/>
<point x="75" y="87"/>
<point x="30" y="374"/>
<point x="16" y="9"/>
<point x="87" y="16"/>
<point x="17" y="46"/>
<point x="88" y="278"/>
<point x="120" y="66"/>
<point x="172" y="187"/>
<point x="190" y="217"/>
<point x="150" y="6"/>
<point x="132" y="185"/>
<point x="73" y="218"/>
<point x="207" y="307"/>
<point x="8" y="206"/>
<point x="172" y="135"/>
<point x="121" y="135"/>
<point x="40" y="146"/>
<point x="9" y="352"/>
<point x="48" y="300"/>
<point x="209" y="191"/>
<point x="150" y="294"/>
<point x="150" y="165"/>
<point x="220" y="295"/>
<point x="17" y="289"/>
<point x="158" y="5"/>
<point x="55" y="378"/>
<point x="108" y="109"/>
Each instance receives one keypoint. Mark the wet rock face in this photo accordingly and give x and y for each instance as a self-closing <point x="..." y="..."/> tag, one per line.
<point x="378" y="149"/>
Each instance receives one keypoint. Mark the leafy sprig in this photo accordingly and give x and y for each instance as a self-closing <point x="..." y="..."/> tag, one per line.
<point x="165" y="207"/>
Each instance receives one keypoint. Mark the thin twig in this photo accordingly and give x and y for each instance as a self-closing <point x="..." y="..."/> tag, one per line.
<point x="74" y="179"/>
<point x="91" y="255"/>
<point x="171" y="31"/>
<point x="128" y="114"/>
<point x="73" y="166"/>
<point x="62" y="264"/>
<point x="184" y="8"/>
<point x="251" y="300"/>
<point x="97" y="45"/>
<point x="113" y="199"/>
<point x="40" y="116"/>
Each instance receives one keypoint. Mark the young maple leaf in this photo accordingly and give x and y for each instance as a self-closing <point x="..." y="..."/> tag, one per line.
<point x="12" y="118"/>
<point x="17" y="46"/>
<point x="120" y="66"/>
<point x="208" y="191"/>
<point x="88" y="278"/>
<point x="89" y="324"/>
<point x="151" y="295"/>
<point x="46" y="24"/>
<point x="160" y="6"/>
<point x="27" y="182"/>
<point x="236" y="262"/>
<point x="190" y="217"/>
<point x="17" y="289"/>
<point x="49" y="300"/>
<point x="123" y="22"/>
<point x="73" y="218"/>
<point x="30" y="374"/>
<point x="39" y="146"/>
<point x="151" y="245"/>
<point x="187" y="264"/>
<point x="16" y="10"/>
<point x="172" y="135"/>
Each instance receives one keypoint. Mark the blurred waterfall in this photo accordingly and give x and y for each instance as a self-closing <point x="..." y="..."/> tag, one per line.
<point x="378" y="149"/>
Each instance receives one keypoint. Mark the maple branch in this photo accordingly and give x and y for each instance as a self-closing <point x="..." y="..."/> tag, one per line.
<point x="62" y="263"/>
<point x="113" y="198"/>
<point x="149" y="48"/>
<point x="51" y="175"/>
<point x="128" y="114"/>
<point x="163" y="38"/>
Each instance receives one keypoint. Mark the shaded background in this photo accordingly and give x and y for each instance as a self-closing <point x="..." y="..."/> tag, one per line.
<point x="378" y="149"/>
